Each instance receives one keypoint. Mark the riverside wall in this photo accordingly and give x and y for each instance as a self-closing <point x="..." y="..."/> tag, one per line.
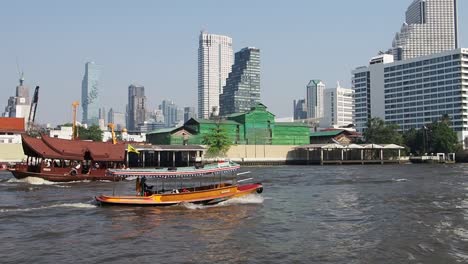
<point x="11" y="153"/>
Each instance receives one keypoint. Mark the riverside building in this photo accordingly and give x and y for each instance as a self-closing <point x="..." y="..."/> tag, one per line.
<point x="431" y="27"/>
<point x="215" y="58"/>
<point x="242" y="90"/>
<point x="415" y="92"/>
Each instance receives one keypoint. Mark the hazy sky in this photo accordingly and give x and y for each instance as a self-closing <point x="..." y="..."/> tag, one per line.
<point x="154" y="43"/>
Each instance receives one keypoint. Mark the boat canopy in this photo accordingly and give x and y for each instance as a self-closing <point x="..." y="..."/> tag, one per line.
<point x="55" y="148"/>
<point x="182" y="172"/>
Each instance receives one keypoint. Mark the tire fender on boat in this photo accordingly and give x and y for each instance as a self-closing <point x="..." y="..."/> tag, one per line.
<point x="259" y="189"/>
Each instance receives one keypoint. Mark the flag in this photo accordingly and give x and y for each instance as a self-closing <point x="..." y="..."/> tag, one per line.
<point x="130" y="148"/>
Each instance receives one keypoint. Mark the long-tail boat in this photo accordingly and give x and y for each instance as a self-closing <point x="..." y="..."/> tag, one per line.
<point x="210" y="185"/>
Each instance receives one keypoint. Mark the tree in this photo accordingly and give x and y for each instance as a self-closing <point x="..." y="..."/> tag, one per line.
<point x="218" y="141"/>
<point x="414" y="141"/>
<point x="93" y="133"/>
<point x="442" y="138"/>
<point x="379" y="132"/>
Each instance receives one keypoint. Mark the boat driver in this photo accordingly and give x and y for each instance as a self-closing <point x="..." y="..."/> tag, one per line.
<point x="145" y="188"/>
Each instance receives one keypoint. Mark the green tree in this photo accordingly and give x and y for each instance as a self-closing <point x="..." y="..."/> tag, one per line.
<point x="442" y="138"/>
<point x="93" y="133"/>
<point x="218" y="141"/>
<point x="379" y="132"/>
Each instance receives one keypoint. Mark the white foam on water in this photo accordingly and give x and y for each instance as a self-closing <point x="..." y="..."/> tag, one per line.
<point x="32" y="181"/>
<point x="400" y="180"/>
<point x="248" y="199"/>
<point x="64" y="205"/>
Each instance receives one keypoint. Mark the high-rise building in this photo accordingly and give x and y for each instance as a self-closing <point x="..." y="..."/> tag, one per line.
<point x="172" y="114"/>
<point x="136" y="109"/>
<point x="431" y="27"/>
<point x="90" y="94"/>
<point x="368" y="98"/>
<point x="116" y="118"/>
<point x="242" y="90"/>
<point x="315" y="99"/>
<point x="215" y="58"/>
<point x="300" y="109"/>
<point x="189" y="112"/>
<point x="19" y="105"/>
<point x="338" y="107"/>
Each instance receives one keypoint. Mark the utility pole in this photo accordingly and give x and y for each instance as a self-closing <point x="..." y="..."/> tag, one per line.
<point x="75" y="105"/>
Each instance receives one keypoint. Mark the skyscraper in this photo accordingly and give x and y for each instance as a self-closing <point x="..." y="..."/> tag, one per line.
<point x="136" y="109"/>
<point x="431" y="27"/>
<point x="172" y="114"/>
<point x="90" y="94"/>
<point x="215" y="58"/>
<point x="300" y="109"/>
<point x="189" y="112"/>
<point x="20" y="104"/>
<point x="242" y="90"/>
<point x="315" y="99"/>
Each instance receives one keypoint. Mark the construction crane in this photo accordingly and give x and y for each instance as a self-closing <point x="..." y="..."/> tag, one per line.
<point x="75" y="105"/>
<point x="33" y="109"/>
<point x="111" y="127"/>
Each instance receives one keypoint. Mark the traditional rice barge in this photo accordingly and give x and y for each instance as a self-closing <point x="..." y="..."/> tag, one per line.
<point x="209" y="185"/>
<point x="60" y="160"/>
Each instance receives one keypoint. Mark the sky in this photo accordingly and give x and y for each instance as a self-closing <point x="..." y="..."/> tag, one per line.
<point x="154" y="43"/>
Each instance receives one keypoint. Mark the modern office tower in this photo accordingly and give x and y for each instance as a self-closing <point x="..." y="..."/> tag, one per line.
<point x="242" y="90"/>
<point x="116" y="118"/>
<point x="215" y="58"/>
<point x="172" y="115"/>
<point x="431" y="27"/>
<point x="136" y="109"/>
<point x="338" y="107"/>
<point x="315" y="99"/>
<point x="20" y="104"/>
<point x="369" y="102"/>
<point x="189" y="112"/>
<point x="300" y="109"/>
<point x="90" y="94"/>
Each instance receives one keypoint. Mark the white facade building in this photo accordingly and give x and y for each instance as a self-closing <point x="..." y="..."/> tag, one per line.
<point x="19" y="105"/>
<point x="338" y="107"/>
<point x="369" y="102"/>
<point x="215" y="58"/>
<point x="415" y="92"/>
<point x="314" y="99"/>
<point x="431" y="27"/>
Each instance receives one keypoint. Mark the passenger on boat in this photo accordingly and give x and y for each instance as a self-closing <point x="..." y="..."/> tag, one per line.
<point x="75" y="170"/>
<point x="145" y="188"/>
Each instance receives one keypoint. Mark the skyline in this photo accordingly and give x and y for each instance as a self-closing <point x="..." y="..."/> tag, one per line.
<point x="155" y="45"/>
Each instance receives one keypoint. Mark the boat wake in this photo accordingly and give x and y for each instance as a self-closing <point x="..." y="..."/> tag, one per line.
<point x="40" y="181"/>
<point x="248" y="199"/>
<point x="64" y="205"/>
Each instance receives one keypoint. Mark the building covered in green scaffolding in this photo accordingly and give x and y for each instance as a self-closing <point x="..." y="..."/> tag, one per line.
<point x="256" y="127"/>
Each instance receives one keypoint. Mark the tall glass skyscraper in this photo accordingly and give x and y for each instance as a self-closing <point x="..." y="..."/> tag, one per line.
<point x="242" y="90"/>
<point x="315" y="99"/>
<point x="431" y="27"/>
<point x="215" y="58"/>
<point x="136" y="106"/>
<point x="90" y="94"/>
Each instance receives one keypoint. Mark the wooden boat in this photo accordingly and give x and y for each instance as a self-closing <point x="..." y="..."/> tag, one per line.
<point x="203" y="195"/>
<point x="227" y="187"/>
<point x="57" y="160"/>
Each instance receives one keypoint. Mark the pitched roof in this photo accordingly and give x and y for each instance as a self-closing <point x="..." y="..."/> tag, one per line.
<point x="209" y="121"/>
<point x="291" y="124"/>
<point x="10" y="124"/>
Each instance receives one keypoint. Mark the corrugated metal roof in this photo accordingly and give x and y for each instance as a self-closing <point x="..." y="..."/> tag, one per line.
<point x="293" y="124"/>
<point x="326" y="133"/>
<point x="10" y="124"/>
<point x="209" y="121"/>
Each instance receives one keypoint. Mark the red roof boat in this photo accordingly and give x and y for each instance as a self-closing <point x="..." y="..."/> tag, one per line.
<point x="61" y="160"/>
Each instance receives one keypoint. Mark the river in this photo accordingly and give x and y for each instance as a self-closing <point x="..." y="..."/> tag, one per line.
<point x="331" y="214"/>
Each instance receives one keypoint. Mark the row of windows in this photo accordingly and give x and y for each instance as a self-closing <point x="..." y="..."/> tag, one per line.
<point x="417" y="89"/>
<point x="442" y="91"/>
<point x="425" y="80"/>
<point x="425" y="74"/>
<point x="419" y="100"/>
<point x="361" y="74"/>
<point x="423" y="69"/>
<point x="424" y="109"/>
<point x="421" y="63"/>
<point x="437" y="114"/>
